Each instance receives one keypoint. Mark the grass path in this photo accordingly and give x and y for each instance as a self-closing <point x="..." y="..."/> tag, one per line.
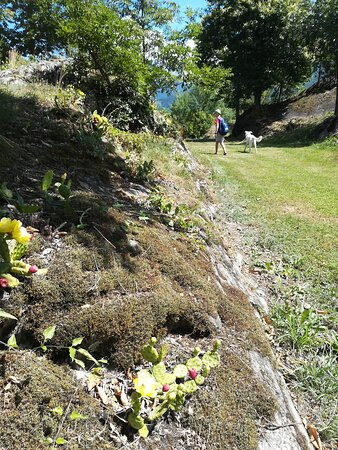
<point x="287" y="200"/>
<point x="290" y="194"/>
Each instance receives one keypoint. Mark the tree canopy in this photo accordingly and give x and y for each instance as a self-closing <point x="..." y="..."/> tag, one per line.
<point x="258" y="40"/>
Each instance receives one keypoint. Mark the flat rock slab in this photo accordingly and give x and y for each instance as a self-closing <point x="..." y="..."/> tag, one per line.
<point x="288" y="431"/>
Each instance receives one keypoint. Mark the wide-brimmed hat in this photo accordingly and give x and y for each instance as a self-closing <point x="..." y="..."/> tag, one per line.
<point x="218" y="111"/>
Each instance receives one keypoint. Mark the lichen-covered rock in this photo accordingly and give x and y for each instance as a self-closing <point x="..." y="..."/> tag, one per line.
<point x="48" y="71"/>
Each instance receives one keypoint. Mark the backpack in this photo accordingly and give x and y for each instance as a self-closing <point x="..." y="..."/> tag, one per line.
<point x="223" y="128"/>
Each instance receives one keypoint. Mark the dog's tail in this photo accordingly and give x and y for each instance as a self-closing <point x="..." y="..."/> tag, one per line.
<point x="259" y="139"/>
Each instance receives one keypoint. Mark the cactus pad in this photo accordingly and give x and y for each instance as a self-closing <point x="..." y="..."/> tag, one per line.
<point x="194" y="363"/>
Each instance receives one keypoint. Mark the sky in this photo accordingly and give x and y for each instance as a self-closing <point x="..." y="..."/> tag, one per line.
<point x="189" y="4"/>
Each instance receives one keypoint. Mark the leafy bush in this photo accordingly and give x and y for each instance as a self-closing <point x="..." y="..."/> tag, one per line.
<point x="17" y="200"/>
<point x="91" y="144"/>
<point x="62" y="190"/>
<point x="69" y="97"/>
<point x="194" y="111"/>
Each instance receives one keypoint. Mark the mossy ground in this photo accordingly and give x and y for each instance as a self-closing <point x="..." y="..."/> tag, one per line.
<point x="30" y="388"/>
<point x="98" y="287"/>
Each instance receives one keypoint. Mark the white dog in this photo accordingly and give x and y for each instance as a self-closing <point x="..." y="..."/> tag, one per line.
<point x="251" y="139"/>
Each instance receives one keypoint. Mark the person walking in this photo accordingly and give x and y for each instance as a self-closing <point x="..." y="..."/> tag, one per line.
<point x="221" y="130"/>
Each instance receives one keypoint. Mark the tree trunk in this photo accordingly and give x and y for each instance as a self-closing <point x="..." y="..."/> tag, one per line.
<point x="319" y="74"/>
<point x="280" y="92"/>
<point x="257" y="101"/>
<point x="143" y="27"/>
<point x="336" y="108"/>
<point x="238" y="107"/>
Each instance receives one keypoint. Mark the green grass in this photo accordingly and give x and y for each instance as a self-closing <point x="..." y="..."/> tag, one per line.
<point x="286" y="201"/>
<point x="290" y="196"/>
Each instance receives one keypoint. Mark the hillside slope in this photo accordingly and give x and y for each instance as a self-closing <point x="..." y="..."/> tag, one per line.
<point x="133" y="254"/>
<point x="311" y="111"/>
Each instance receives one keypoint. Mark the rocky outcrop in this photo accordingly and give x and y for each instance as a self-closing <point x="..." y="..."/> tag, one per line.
<point x="50" y="71"/>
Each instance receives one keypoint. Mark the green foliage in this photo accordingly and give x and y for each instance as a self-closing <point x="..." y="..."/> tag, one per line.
<point x="77" y="416"/>
<point x="317" y="378"/>
<point x="260" y="41"/>
<point x="17" y="201"/>
<point x="47" y="181"/>
<point x="194" y="110"/>
<point x="58" y="410"/>
<point x="302" y="328"/>
<point x="62" y="191"/>
<point x="170" y="389"/>
<point x="145" y="170"/>
<point x="180" y="218"/>
<point x="194" y="363"/>
<point x="70" y="97"/>
<point x="180" y="371"/>
<point x="31" y="27"/>
<point x="6" y="315"/>
<point x="322" y="36"/>
<point x="150" y="353"/>
<point x="104" y="43"/>
<point x="12" y="342"/>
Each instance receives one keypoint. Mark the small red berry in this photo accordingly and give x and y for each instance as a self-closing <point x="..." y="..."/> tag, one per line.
<point x="3" y="283"/>
<point x="192" y="373"/>
<point x="33" y="269"/>
<point x="165" y="388"/>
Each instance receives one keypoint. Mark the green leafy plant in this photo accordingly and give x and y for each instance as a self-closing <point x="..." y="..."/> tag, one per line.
<point x="75" y="352"/>
<point x="70" y="98"/>
<point x="163" y="390"/>
<point x="17" y="200"/>
<point x="48" y="334"/>
<point x="179" y="217"/>
<point x="145" y="170"/>
<point x="6" y="315"/>
<point x="300" y="327"/>
<point x="62" y="188"/>
<point x="14" y="239"/>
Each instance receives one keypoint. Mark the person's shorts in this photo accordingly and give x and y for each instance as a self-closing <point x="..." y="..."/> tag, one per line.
<point x="219" y="138"/>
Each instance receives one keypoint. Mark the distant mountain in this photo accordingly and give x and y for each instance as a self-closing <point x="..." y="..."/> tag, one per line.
<point x="165" y="100"/>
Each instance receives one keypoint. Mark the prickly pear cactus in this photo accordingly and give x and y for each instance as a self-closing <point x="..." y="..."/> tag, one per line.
<point x="167" y="390"/>
<point x="190" y="387"/>
<point x="180" y="371"/>
<point x="19" y="251"/>
<point x="4" y="250"/>
<point x="149" y="352"/>
<point x="211" y="359"/>
<point x="12" y="231"/>
<point x="161" y="375"/>
<point x="194" y="363"/>
<point x="199" y="380"/>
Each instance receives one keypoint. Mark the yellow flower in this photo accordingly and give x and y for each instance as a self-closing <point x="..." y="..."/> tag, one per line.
<point x="145" y="384"/>
<point x="19" y="233"/>
<point x="5" y="225"/>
